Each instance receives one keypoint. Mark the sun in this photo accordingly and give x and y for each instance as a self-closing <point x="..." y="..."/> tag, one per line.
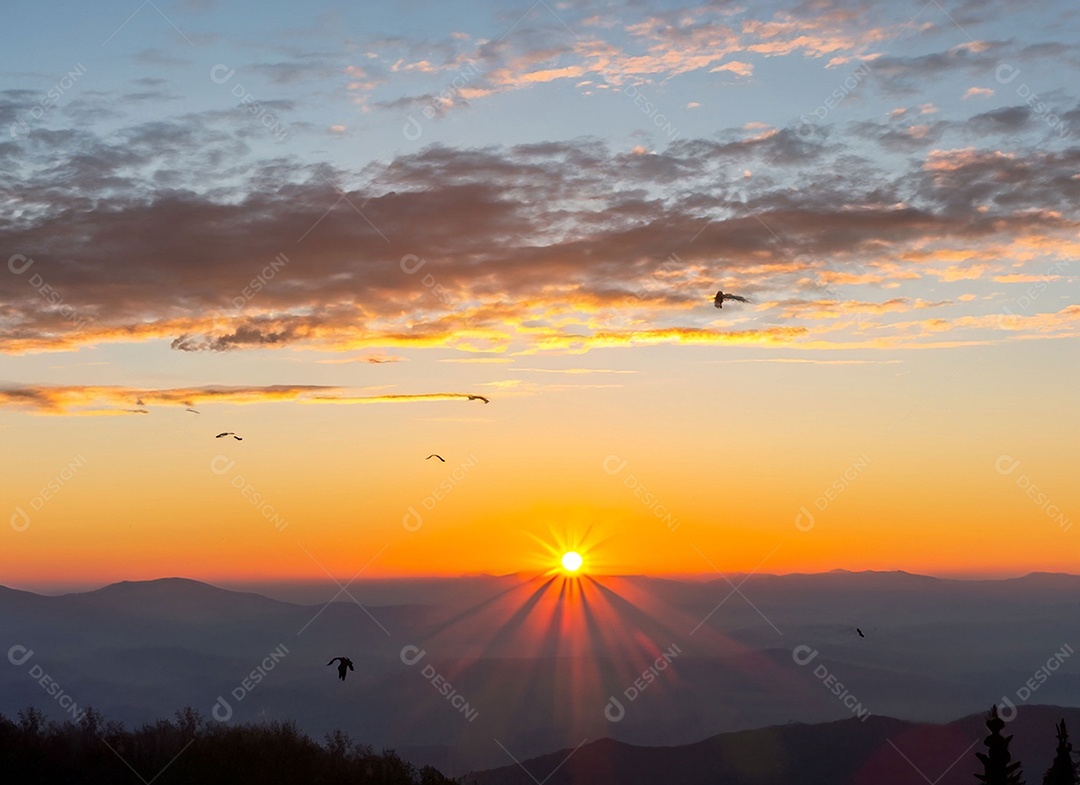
<point x="572" y="561"/>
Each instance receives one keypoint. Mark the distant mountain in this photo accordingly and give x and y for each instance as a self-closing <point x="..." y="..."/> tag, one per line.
<point x="534" y="664"/>
<point x="879" y="751"/>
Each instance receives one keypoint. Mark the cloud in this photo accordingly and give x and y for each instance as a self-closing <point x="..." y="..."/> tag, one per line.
<point x="481" y="360"/>
<point x="89" y="400"/>
<point x="899" y="75"/>
<point x="801" y="360"/>
<point x="1006" y="120"/>
<point x="569" y="371"/>
<point x="402" y="398"/>
<point x="598" y="52"/>
<point x="736" y="67"/>
<point x="833" y="309"/>
<point x="372" y="359"/>
<point x="553" y="244"/>
<point x="686" y="336"/>
<point x="1025" y="278"/>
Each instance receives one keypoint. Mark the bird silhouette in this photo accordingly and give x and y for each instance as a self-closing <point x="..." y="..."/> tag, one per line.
<point x="229" y="433"/>
<point x="189" y="409"/>
<point x="479" y="398"/>
<point x="860" y="632"/>
<point x="138" y="402"/>
<point x="718" y="301"/>
<point x="433" y="455"/>
<point x="345" y="663"/>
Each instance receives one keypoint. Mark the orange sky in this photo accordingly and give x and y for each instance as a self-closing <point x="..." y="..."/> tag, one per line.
<point x="687" y="461"/>
<point x="326" y="249"/>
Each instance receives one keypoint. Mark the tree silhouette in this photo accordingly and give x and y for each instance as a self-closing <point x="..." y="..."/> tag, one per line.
<point x="1063" y="770"/>
<point x="997" y="770"/>
<point x="95" y="751"/>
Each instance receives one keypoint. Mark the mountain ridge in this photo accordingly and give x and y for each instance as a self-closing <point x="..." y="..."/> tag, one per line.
<point x="795" y="754"/>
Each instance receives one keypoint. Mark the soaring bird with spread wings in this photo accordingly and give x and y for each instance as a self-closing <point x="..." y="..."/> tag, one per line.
<point x="229" y="433"/>
<point x="435" y="455"/>
<point x="479" y="398"/>
<point x="718" y="301"/>
<point x="344" y="663"/>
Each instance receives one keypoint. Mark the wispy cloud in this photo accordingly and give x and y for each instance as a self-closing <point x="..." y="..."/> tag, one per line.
<point x="89" y="400"/>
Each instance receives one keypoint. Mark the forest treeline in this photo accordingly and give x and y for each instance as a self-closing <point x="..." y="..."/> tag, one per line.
<point x="187" y="749"/>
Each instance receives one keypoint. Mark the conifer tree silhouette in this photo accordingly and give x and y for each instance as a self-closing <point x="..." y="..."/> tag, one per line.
<point x="997" y="770"/>
<point x="1063" y="770"/>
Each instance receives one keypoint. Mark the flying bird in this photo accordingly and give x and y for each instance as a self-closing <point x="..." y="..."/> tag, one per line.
<point x="860" y="632"/>
<point x="433" y="455"/>
<point x="229" y="433"/>
<point x="718" y="301"/>
<point x="479" y="398"/>
<point x="138" y="402"/>
<point x="189" y="409"/>
<point x="345" y="663"/>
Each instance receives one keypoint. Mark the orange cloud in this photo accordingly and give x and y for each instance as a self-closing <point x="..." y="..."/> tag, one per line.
<point x="82" y="400"/>
<point x="689" y="336"/>
<point x="736" y="67"/>
<point x="1025" y="278"/>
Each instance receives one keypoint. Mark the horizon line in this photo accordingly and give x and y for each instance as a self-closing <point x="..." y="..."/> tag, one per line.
<point x="57" y="588"/>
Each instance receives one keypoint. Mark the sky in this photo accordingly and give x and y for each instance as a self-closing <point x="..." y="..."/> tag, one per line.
<point x="324" y="226"/>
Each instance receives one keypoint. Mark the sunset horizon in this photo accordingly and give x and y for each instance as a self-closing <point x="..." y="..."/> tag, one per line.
<point x="577" y="393"/>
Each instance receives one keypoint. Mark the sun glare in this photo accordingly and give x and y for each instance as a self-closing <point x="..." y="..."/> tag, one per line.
<point x="572" y="561"/>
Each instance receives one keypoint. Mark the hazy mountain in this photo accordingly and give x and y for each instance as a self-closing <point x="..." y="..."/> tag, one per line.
<point x="533" y="663"/>
<point x="879" y="751"/>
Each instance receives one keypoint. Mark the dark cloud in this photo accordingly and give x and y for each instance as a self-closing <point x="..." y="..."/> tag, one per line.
<point x="904" y="137"/>
<point x="1006" y="120"/>
<point x="167" y="230"/>
<point x="905" y="76"/>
